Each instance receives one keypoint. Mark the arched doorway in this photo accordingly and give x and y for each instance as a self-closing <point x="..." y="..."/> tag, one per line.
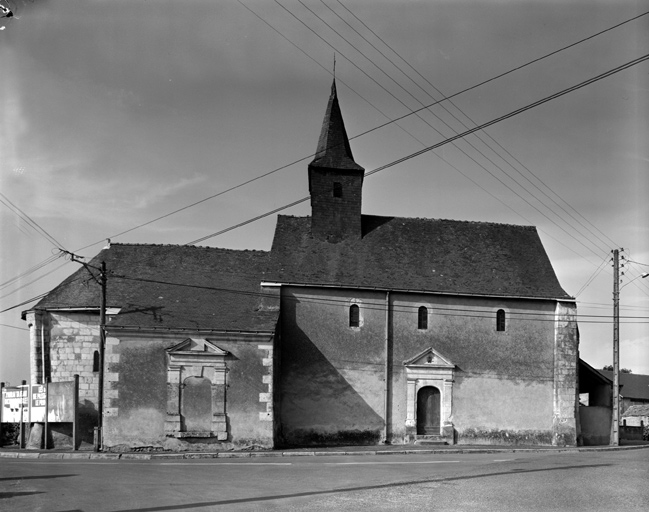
<point x="428" y="411"/>
<point x="196" y="405"/>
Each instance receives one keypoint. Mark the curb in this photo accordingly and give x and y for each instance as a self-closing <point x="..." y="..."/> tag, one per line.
<point x="275" y="454"/>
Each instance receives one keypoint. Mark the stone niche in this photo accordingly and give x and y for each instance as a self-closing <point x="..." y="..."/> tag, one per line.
<point x="429" y="370"/>
<point x="196" y="390"/>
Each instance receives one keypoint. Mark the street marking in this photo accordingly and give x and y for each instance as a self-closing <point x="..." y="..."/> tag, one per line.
<point x="388" y="463"/>
<point x="503" y="460"/>
<point x="225" y="464"/>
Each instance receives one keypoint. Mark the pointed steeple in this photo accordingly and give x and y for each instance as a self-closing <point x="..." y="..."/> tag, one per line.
<point x="334" y="151"/>
<point x="335" y="181"/>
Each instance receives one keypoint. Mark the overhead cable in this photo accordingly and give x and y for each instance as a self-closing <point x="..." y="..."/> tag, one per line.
<point x="456" y="137"/>
<point x="474" y="123"/>
<point x="395" y="120"/>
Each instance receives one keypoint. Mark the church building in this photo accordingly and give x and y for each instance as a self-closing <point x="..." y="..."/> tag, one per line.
<point x="352" y="329"/>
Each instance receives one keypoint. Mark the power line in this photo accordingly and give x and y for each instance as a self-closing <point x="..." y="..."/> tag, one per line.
<point x="601" y="267"/>
<point x="439" y="156"/>
<point x="638" y="263"/>
<point x="456" y="137"/>
<point x="31" y="222"/>
<point x="14" y="327"/>
<point x="508" y="72"/>
<point x="33" y="281"/>
<point x="247" y="182"/>
<point x="380" y="306"/>
<point x="470" y="119"/>
<point x="447" y="162"/>
<point x="37" y="297"/>
<point x="390" y="121"/>
<point x="364" y="133"/>
<point x="29" y="271"/>
<point x="466" y="140"/>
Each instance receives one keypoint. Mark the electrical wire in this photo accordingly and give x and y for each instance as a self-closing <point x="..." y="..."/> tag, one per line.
<point x="466" y="141"/>
<point x="380" y="305"/>
<point x="471" y="120"/>
<point x="458" y="136"/>
<point x="14" y="327"/>
<point x="376" y="170"/>
<point x="447" y="162"/>
<point x="390" y="120"/>
<point x="37" y="297"/>
<point x="33" y="281"/>
<point x="29" y="271"/>
<point x="593" y="275"/>
<point x="31" y="222"/>
<point x="432" y="127"/>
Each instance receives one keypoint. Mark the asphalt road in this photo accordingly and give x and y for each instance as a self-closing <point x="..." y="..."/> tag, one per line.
<point x="588" y="481"/>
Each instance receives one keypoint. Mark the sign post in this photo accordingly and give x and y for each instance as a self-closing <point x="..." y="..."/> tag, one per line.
<point x="75" y="424"/>
<point x="2" y="406"/>
<point x="21" y="441"/>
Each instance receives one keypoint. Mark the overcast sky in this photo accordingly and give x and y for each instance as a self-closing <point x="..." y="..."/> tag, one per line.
<point x="114" y="113"/>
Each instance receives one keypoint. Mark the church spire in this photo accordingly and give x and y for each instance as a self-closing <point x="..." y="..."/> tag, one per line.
<point x="335" y="181"/>
<point x="334" y="151"/>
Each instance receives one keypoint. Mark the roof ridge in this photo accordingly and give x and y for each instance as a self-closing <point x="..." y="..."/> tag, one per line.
<point x="197" y="247"/>
<point x="428" y="219"/>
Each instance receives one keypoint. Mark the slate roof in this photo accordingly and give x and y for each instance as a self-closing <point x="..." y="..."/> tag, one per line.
<point x="333" y="149"/>
<point x="634" y="386"/>
<point x="219" y="287"/>
<point x="418" y="254"/>
<point x="636" y="410"/>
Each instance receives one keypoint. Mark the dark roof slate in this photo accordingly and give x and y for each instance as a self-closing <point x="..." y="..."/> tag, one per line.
<point x="418" y="254"/>
<point x="633" y="386"/>
<point x="169" y="286"/>
<point x="333" y="150"/>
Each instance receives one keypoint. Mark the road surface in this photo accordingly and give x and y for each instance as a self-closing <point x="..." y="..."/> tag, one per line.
<point x="506" y="481"/>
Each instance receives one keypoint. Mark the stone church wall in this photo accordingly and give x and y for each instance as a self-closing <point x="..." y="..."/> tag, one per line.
<point x="502" y="390"/>
<point x="70" y="340"/>
<point x="138" y="399"/>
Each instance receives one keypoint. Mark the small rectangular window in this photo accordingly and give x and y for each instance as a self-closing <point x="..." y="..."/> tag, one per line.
<point x="95" y="361"/>
<point x="500" y="320"/>
<point x="354" y="316"/>
<point x="338" y="189"/>
<point x="422" y="322"/>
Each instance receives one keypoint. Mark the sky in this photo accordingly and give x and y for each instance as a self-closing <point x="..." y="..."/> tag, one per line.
<point x="114" y="113"/>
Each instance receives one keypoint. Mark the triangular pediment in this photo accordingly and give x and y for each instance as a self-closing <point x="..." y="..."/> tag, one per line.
<point x="430" y="358"/>
<point x="196" y="345"/>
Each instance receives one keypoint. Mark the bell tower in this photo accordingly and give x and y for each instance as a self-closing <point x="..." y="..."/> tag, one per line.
<point x="335" y="181"/>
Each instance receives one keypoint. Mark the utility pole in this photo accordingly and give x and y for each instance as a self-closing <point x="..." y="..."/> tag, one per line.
<point x="615" y="424"/>
<point x="102" y="349"/>
<point x="102" y="344"/>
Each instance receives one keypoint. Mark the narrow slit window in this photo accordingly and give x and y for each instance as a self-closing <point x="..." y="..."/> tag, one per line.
<point x="422" y="320"/>
<point x="500" y="320"/>
<point x="338" y="189"/>
<point x="95" y="361"/>
<point x="354" y="316"/>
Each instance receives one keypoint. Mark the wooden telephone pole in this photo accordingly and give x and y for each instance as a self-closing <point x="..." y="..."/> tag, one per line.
<point x="102" y="344"/>
<point x="102" y="348"/>
<point x="615" y="423"/>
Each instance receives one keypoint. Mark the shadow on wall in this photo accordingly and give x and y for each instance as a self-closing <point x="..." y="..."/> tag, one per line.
<point x="319" y="406"/>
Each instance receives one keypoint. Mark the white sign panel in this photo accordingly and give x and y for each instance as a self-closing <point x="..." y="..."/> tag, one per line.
<point x="12" y="399"/>
<point x="38" y="402"/>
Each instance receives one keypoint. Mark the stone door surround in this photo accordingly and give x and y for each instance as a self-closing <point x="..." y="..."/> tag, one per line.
<point x="194" y="357"/>
<point x="429" y="368"/>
